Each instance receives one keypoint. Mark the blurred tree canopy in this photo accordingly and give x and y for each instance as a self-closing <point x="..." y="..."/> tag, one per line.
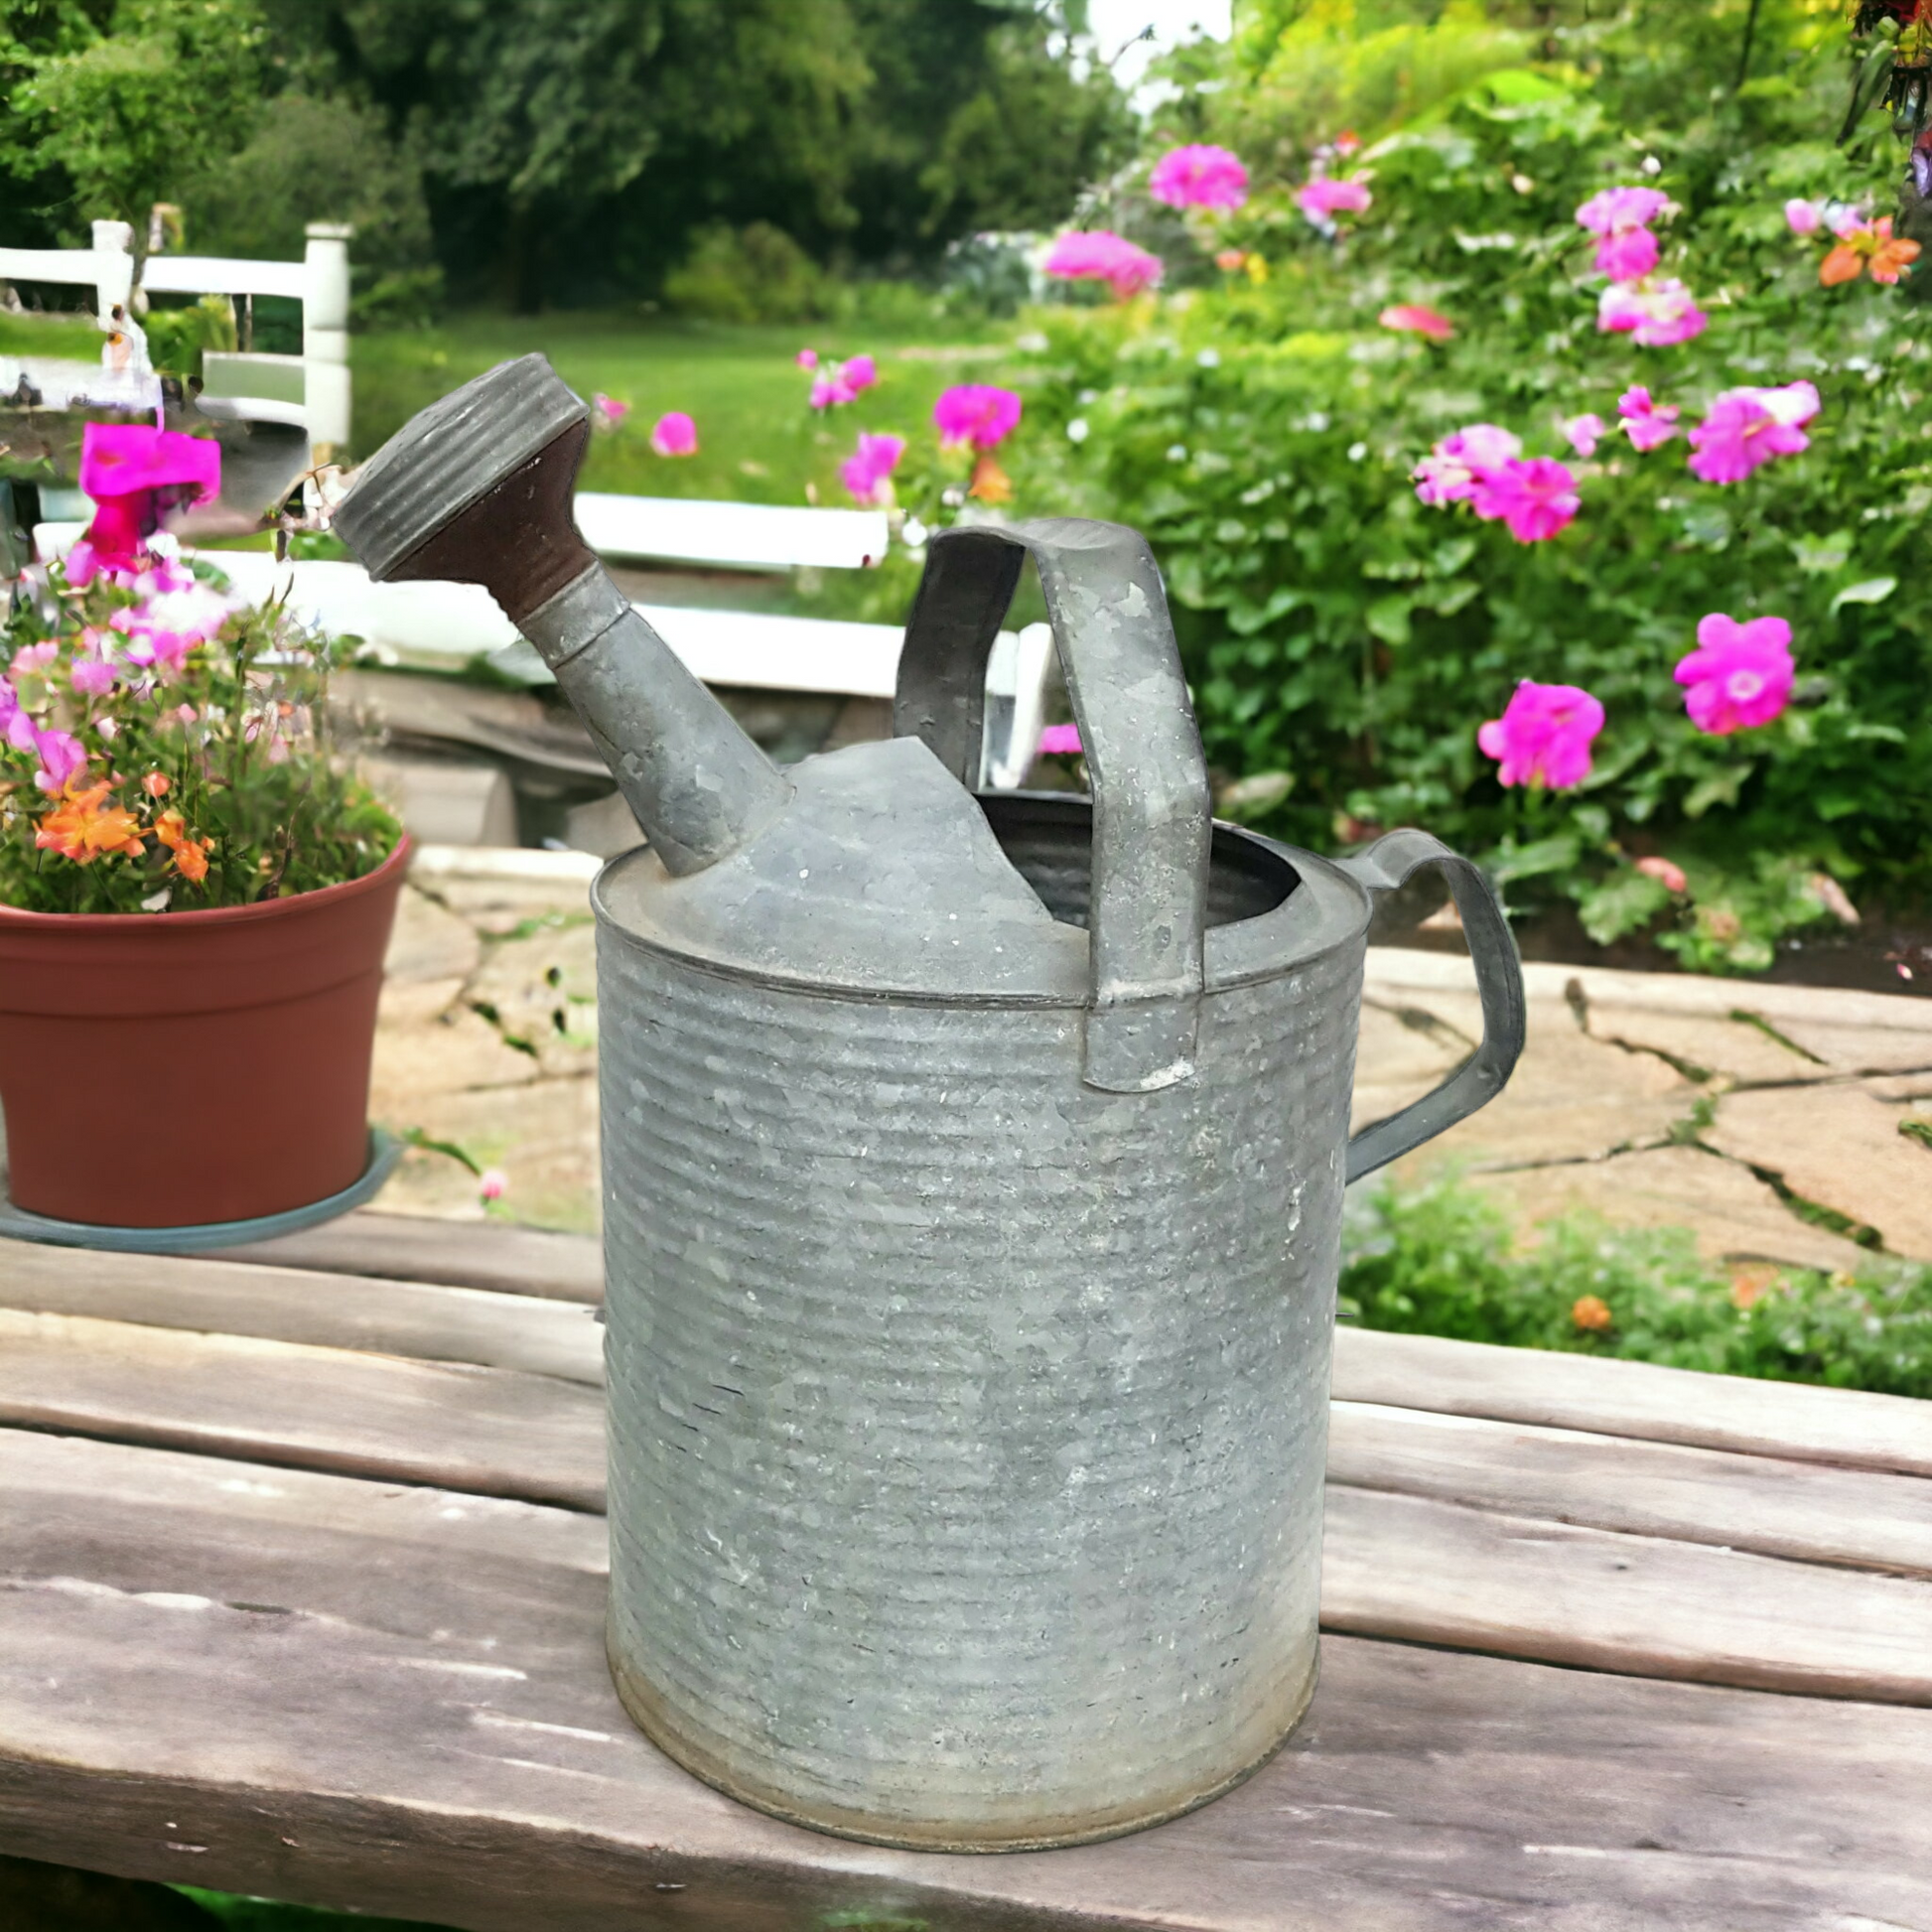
<point x="551" y="150"/>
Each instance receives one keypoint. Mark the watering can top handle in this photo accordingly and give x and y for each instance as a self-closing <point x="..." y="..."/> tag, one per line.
<point x="1153" y="815"/>
<point x="1386" y="864"/>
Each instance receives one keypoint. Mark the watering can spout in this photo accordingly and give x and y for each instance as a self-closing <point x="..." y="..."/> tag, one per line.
<point x="477" y="489"/>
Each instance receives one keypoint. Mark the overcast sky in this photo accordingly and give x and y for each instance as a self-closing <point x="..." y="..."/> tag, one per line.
<point x="1172" y="21"/>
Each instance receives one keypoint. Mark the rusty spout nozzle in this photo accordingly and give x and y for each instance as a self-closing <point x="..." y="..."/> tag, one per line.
<point x="477" y="489"/>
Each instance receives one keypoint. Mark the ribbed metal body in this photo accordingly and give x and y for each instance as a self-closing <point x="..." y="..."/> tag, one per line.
<point x="968" y="1423"/>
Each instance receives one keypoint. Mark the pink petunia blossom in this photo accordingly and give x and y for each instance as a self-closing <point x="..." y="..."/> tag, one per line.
<point x="16" y="727"/>
<point x="1647" y="424"/>
<point x="1745" y="428"/>
<point x="610" y="409"/>
<point x="31" y="660"/>
<point x="1844" y="218"/>
<point x="1323" y="198"/>
<point x="1656" y="314"/>
<point x="841" y="382"/>
<point x="866" y="472"/>
<point x="674" y="434"/>
<point x="60" y="758"/>
<point x="91" y="677"/>
<point x="1544" y="736"/>
<point x="1740" y="674"/>
<point x="1100" y="255"/>
<point x="1617" y="210"/>
<point x="806" y="358"/>
<point x="1200" y="177"/>
<point x="1803" y="217"/>
<point x="1060" y="740"/>
<point x="1583" y="432"/>
<point x="492" y="1184"/>
<point x="1669" y="876"/>
<point x="1450" y="472"/>
<point x="1535" y="497"/>
<point x="1408" y="317"/>
<point x="1627" y="257"/>
<point x="975" y="416"/>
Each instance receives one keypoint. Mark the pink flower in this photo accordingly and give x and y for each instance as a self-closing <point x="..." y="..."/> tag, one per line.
<point x="1323" y="198"/>
<point x="975" y="416"/>
<point x="1100" y="255"/>
<point x="1739" y="675"/>
<point x="1229" y="259"/>
<point x="1450" y="472"/>
<point x="1669" y="877"/>
<point x="1060" y="740"/>
<point x="1621" y="219"/>
<point x="1583" y="432"/>
<point x="1804" y="218"/>
<point x="117" y="458"/>
<point x="1844" y="219"/>
<point x="15" y="725"/>
<point x="1408" y="317"/>
<point x="611" y="409"/>
<point x="60" y="758"/>
<point x="1648" y="425"/>
<point x="866" y="472"/>
<point x="1745" y="428"/>
<point x="1200" y="177"/>
<point x="93" y="677"/>
<point x="1536" y="496"/>
<point x="674" y="434"/>
<point x="492" y="1184"/>
<point x="842" y="382"/>
<point x="31" y="660"/>
<point x="1657" y="315"/>
<point x="806" y="358"/>
<point x="859" y="374"/>
<point x="1544" y="736"/>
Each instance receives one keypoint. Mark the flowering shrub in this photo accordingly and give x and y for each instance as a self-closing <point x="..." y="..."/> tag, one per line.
<point x="164" y="746"/>
<point x="1373" y="533"/>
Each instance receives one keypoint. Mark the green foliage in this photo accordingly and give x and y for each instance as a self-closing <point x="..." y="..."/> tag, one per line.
<point x="1262" y="434"/>
<point x="178" y="337"/>
<point x="1437" y="1259"/>
<point x="313" y="160"/>
<point x="239" y="1914"/>
<point x="752" y="274"/>
<point x="130" y="109"/>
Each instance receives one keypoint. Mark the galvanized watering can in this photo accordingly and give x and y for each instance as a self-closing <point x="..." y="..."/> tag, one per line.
<point x="972" y="1180"/>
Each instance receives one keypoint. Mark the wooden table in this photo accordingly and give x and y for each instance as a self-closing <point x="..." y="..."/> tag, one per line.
<point x="303" y="1578"/>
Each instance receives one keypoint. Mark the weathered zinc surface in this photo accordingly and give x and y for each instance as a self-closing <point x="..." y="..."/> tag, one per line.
<point x="972" y="1190"/>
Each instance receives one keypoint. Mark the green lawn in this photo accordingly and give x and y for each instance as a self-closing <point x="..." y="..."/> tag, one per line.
<point x="758" y="441"/>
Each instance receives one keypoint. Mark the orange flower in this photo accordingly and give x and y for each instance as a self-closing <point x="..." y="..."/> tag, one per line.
<point x="1592" y="1312"/>
<point x="83" y="827"/>
<point x="189" y="855"/>
<point x="1870" y="246"/>
<point x="991" y="483"/>
<point x="155" y="784"/>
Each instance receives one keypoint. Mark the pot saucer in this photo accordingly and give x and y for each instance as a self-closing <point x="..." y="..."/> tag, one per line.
<point x="16" y="1224"/>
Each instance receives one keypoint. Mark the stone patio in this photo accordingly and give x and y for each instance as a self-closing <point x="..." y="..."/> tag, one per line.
<point x="1722" y="1105"/>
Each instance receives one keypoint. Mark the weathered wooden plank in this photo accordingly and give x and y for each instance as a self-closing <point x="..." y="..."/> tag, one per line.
<point x="1429" y="1572"/>
<point x="460" y="1253"/>
<point x="1804" y="1510"/>
<point x="429" y="1321"/>
<point x="1659" y="1405"/>
<point x="401" y="1736"/>
<point x="489" y="1430"/>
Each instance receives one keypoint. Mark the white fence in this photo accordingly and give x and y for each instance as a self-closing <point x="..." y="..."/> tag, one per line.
<point x="320" y="282"/>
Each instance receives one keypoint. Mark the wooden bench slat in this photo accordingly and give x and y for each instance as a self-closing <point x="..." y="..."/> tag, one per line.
<point x="1790" y="1420"/>
<point x="423" y="1321"/>
<point x="1430" y="1571"/>
<point x="401" y="1736"/>
<point x="489" y="1430"/>
<point x="459" y="1254"/>
<point x="1516" y="1583"/>
<point x="1804" y="1510"/>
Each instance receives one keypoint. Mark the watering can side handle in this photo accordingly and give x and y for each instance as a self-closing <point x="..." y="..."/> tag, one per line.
<point x="1499" y="984"/>
<point x="1153" y="818"/>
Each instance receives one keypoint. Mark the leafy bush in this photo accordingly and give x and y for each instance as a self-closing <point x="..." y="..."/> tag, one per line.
<point x="1262" y="433"/>
<point x="748" y="275"/>
<point x="1437" y="1259"/>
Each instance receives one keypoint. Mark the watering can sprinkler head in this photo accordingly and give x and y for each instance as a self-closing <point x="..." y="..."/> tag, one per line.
<point x="476" y="490"/>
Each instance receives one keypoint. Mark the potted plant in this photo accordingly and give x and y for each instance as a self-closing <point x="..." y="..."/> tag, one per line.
<point x="195" y="886"/>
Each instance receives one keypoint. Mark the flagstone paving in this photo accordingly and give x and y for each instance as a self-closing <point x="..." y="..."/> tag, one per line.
<point x="1767" y="1119"/>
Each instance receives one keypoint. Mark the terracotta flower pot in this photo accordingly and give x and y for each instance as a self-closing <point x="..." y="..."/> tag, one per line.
<point x="164" y="1070"/>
